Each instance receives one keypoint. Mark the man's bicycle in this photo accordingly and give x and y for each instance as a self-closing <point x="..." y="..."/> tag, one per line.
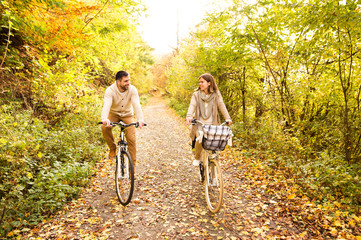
<point x="214" y="139"/>
<point x="124" y="169"/>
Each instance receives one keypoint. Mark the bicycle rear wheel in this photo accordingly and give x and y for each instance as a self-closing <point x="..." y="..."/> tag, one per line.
<point x="124" y="178"/>
<point x="213" y="185"/>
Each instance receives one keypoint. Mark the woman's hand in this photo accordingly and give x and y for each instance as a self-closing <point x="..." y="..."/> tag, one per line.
<point x="229" y="122"/>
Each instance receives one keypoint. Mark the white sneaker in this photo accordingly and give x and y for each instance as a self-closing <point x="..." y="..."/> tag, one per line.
<point x="195" y="162"/>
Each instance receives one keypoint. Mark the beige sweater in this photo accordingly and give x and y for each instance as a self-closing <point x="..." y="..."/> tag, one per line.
<point x="121" y="105"/>
<point x="193" y="110"/>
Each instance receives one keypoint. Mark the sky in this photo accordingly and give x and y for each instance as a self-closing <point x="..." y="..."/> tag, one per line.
<point x="159" y="29"/>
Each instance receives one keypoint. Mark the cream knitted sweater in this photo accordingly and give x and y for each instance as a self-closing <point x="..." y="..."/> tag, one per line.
<point x="121" y="104"/>
<point x="193" y="110"/>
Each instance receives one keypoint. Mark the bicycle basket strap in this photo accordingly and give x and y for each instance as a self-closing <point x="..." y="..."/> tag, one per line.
<point x="215" y="137"/>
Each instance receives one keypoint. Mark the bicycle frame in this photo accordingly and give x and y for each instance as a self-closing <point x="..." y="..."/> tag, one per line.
<point x="211" y="174"/>
<point x="124" y="170"/>
<point x="123" y="147"/>
<point x="122" y="143"/>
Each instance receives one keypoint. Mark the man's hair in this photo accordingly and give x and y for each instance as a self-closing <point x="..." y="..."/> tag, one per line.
<point x="121" y="74"/>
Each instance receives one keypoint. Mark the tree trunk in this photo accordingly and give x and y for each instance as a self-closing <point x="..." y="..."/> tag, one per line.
<point x="243" y="89"/>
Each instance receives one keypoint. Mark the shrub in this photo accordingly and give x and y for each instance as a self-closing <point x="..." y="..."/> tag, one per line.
<point x="41" y="166"/>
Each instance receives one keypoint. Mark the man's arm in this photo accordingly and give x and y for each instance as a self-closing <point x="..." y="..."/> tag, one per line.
<point x="137" y="108"/>
<point x="107" y="103"/>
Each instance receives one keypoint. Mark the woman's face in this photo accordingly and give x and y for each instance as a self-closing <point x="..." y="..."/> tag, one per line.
<point x="203" y="85"/>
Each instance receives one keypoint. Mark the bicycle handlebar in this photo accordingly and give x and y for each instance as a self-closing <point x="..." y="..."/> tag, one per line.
<point x="121" y="123"/>
<point x="194" y="121"/>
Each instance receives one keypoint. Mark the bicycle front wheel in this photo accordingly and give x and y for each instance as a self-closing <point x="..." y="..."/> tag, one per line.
<point x="124" y="178"/>
<point x="214" y="185"/>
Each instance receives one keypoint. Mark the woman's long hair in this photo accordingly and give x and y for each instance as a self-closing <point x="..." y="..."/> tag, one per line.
<point x="209" y="78"/>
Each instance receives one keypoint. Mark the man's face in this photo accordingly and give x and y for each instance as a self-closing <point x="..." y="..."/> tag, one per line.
<point x="123" y="84"/>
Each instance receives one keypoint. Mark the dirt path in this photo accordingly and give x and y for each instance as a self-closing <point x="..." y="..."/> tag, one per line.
<point x="168" y="201"/>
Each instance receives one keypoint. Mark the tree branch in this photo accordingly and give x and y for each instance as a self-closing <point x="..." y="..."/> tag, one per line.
<point x="91" y="19"/>
<point x="7" y="44"/>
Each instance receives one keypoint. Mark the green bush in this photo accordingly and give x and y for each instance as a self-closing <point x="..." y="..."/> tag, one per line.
<point x="143" y="98"/>
<point x="41" y="166"/>
<point x="180" y="107"/>
<point x="322" y="175"/>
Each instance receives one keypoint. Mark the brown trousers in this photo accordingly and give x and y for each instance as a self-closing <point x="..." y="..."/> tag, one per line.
<point x="198" y="150"/>
<point x="198" y="146"/>
<point x="129" y="134"/>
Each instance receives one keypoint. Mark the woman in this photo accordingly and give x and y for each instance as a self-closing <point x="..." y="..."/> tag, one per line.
<point x="204" y="106"/>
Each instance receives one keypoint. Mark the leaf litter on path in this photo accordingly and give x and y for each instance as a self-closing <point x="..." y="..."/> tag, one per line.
<point x="169" y="202"/>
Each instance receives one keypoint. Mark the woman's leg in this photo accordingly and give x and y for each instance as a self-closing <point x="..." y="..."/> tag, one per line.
<point x="197" y="150"/>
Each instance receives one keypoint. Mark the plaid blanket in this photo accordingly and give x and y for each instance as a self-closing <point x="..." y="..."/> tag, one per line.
<point x="215" y="137"/>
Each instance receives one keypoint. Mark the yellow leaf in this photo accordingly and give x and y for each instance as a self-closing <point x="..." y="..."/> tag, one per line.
<point x="40" y="155"/>
<point x="358" y="237"/>
<point x="29" y="175"/>
<point x="337" y="223"/>
<point x="15" y="124"/>
<point x="334" y="232"/>
<point x="245" y="233"/>
<point x="304" y="234"/>
<point x="292" y="196"/>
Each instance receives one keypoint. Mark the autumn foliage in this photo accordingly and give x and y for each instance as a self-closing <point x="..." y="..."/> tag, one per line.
<point x="54" y="67"/>
<point x="289" y="74"/>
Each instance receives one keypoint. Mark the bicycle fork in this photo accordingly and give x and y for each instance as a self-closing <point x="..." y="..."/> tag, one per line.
<point x="123" y="168"/>
<point x="212" y="171"/>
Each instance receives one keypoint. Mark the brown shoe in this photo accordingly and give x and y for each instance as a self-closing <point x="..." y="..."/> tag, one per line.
<point x="112" y="154"/>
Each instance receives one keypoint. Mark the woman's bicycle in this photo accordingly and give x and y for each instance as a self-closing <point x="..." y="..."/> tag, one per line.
<point x="209" y="167"/>
<point x="124" y="169"/>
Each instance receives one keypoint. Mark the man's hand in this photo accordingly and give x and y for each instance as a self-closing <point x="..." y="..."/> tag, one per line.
<point x="189" y="120"/>
<point x="141" y="123"/>
<point x="229" y="122"/>
<point x="106" y="122"/>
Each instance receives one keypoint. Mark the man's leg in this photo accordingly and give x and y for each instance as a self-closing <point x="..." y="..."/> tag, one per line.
<point x="108" y="135"/>
<point x="131" y="139"/>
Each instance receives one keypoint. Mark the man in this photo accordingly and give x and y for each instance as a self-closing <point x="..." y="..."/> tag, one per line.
<point x="119" y="98"/>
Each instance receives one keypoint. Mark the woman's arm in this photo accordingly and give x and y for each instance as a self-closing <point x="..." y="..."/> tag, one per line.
<point x="191" y="109"/>
<point x="223" y="109"/>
